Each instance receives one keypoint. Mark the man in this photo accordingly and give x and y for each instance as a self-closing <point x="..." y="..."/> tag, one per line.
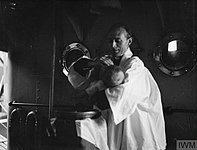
<point x="134" y="119"/>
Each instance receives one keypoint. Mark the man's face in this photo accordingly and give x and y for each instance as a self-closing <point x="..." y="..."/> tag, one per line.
<point x="118" y="41"/>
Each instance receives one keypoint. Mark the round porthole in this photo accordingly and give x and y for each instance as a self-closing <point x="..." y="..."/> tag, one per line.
<point x="71" y="54"/>
<point x="175" y="54"/>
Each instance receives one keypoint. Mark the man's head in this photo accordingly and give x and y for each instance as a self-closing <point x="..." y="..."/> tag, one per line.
<point x="119" y="39"/>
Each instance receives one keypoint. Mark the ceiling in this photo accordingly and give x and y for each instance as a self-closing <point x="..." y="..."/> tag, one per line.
<point x="21" y="17"/>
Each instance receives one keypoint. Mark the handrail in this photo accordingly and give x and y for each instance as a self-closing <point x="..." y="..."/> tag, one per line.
<point x="14" y="103"/>
<point x="72" y="111"/>
<point x="168" y="109"/>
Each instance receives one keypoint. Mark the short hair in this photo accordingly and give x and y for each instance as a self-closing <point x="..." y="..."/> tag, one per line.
<point x="120" y="25"/>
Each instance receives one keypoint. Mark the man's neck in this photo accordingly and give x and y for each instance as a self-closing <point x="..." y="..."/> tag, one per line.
<point x="117" y="60"/>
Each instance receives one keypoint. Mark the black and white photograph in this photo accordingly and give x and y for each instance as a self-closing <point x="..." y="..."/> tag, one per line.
<point x="98" y="75"/>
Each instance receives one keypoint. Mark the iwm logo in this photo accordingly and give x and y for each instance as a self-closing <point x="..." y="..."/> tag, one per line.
<point x="186" y="145"/>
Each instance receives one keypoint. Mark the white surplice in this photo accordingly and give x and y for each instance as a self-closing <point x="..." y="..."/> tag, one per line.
<point x="135" y="119"/>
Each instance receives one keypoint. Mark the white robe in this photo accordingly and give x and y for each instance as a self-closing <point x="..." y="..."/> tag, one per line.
<point x="135" y="119"/>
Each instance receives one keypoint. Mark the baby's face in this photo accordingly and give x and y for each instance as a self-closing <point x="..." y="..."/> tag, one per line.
<point x="118" y="78"/>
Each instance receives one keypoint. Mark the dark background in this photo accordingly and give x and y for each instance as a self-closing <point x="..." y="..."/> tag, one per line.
<point x="35" y="32"/>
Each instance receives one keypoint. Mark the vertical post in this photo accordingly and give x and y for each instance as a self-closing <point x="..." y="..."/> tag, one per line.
<point x="194" y="23"/>
<point x="52" y="78"/>
<point x="52" y="84"/>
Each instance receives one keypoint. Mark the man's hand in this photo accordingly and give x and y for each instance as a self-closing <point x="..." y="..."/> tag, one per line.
<point x="106" y="60"/>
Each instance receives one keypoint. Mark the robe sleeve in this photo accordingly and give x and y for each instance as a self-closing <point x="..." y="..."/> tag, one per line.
<point x="123" y="99"/>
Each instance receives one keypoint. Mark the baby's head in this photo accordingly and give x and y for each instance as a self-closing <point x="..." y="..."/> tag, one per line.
<point x="112" y="76"/>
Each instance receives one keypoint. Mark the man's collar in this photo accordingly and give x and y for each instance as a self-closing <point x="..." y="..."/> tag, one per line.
<point x="128" y="53"/>
<point x="125" y="56"/>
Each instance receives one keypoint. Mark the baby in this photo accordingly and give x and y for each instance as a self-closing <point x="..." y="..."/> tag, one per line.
<point x="88" y="71"/>
<point x="112" y="76"/>
<point x="88" y="75"/>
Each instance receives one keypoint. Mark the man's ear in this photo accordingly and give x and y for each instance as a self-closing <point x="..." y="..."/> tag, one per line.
<point x="130" y="40"/>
